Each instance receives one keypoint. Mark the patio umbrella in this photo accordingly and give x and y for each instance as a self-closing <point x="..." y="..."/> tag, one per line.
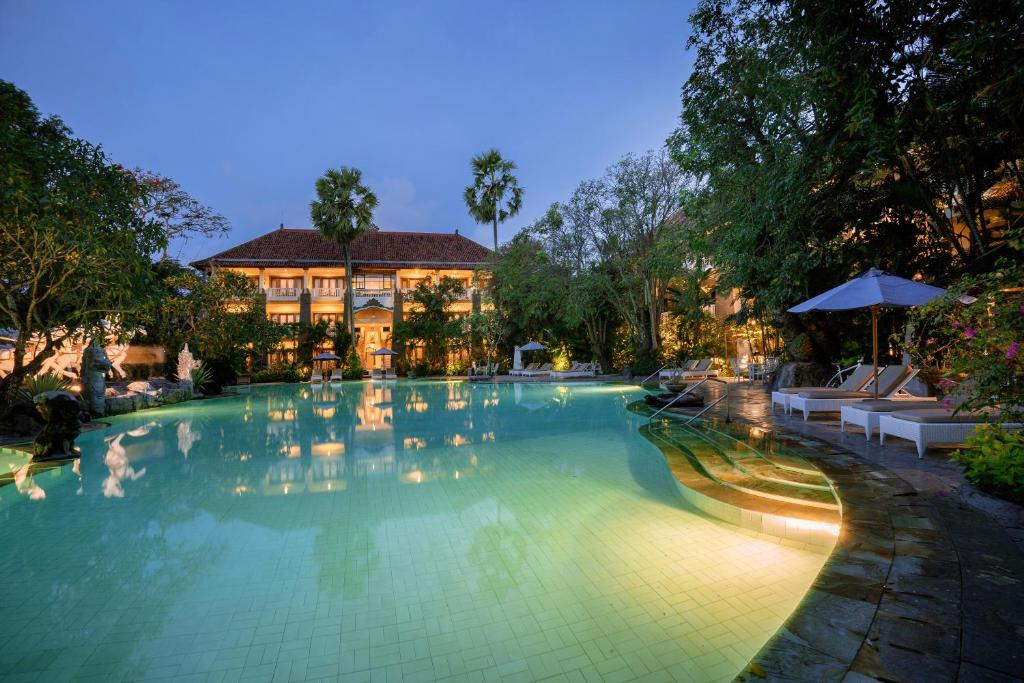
<point x="873" y="289"/>
<point x="325" y="355"/>
<point x="383" y="351"/>
<point x="532" y="346"/>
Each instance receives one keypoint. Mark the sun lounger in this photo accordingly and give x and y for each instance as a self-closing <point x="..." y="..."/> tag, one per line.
<point x="891" y="382"/>
<point x="936" y="425"/>
<point x="531" y="366"/>
<point x="868" y="412"/>
<point x="857" y="380"/>
<point x="336" y="375"/>
<point x="317" y="376"/>
<point x="537" y="372"/>
<point x="376" y="374"/>
<point x="701" y="370"/>
<point x="665" y="373"/>
<point x="390" y="374"/>
<point x="577" y="370"/>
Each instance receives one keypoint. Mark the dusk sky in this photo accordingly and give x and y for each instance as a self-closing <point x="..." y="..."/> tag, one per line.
<point x="247" y="103"/>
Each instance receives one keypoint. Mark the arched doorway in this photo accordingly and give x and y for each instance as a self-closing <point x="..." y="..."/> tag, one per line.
<point x="373" y="330"/>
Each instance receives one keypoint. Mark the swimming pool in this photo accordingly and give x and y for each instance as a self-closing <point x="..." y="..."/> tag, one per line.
<point x="409" y="531"/>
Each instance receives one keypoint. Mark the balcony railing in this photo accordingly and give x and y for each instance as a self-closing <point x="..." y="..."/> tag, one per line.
<point x="283" y="292"/>
<point x="328" y="292"/>
<point x="465" y="296"/>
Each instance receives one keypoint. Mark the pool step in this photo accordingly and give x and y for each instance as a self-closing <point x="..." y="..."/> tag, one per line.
<point x="748" y="482"/>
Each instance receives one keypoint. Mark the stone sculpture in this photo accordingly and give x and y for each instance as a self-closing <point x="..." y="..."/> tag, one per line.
<point x="56" y="441"/>
<point x="185" y="364"/>
<point x="94" y="366"/>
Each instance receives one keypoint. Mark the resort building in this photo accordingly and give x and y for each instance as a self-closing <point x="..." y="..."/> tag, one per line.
<point x="301" y="275"/>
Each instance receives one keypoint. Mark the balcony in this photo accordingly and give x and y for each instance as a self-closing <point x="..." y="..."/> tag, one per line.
<point x="278" y="293"/>
<point x="373" y="298"/>
<point x="465" y="296"/>
<point x="333" y="293"/>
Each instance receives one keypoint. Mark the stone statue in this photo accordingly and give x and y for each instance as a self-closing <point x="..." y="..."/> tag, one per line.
<point x="94" y="366"/>
<point x="56" y="441"/>
<point x="185" y="364"/>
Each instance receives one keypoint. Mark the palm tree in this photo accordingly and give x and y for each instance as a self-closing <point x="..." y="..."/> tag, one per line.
<point x="343" y="211"/>
<point x="495" y="193"/>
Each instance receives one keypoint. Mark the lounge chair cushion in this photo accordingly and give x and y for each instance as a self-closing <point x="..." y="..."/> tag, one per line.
<point x="798" y="390"/>
<point x="943" y="416"/>
<point x="834" y="393"/>
<point x="883" y="406"/>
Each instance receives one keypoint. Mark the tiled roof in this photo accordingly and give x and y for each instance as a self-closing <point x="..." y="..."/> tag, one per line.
<point x="305" y="247"/>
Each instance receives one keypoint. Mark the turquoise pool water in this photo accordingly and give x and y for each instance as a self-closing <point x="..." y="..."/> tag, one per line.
<point x="412" y="531"/>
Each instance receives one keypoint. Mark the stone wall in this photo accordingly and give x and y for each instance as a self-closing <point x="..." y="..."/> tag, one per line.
<point x="127" y="398"/>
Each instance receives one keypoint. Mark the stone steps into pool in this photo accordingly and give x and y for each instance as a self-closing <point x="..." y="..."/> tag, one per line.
<point x="747" y="483"/>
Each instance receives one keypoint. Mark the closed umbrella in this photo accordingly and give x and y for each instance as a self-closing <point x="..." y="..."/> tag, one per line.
<point x="873" y="289"/>
<point x="517" y="359"/>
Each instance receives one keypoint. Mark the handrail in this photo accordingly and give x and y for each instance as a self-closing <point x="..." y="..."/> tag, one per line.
<point x="644" y="380"/>
<point x="681" y="394"/>
<point x="723" y="397"/>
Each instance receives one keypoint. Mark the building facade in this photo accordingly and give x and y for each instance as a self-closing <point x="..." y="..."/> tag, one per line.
<point x="302" y="276"/>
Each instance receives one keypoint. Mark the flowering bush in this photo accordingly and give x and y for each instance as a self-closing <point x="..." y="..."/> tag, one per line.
<point x="976" y="332"/>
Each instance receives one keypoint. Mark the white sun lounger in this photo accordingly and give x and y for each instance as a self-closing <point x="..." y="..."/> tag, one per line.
<point x="317" y="376"/>
<point x="336" y="375"/>
<point x="577" y="370"/>
<point x="542" y="370"/>
<point x="857" y="380"/>
<point x="666" y="373"/>
<point x="891" y="382"/>
<point x="520" y="371"/>
<point x="937" y="425"/>
<point x="868" y="412"/>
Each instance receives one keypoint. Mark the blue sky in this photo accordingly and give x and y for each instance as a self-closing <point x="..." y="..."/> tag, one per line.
<point x="247" y="103"/>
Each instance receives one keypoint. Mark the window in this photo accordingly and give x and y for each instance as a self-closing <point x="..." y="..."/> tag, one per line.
<point x="328" y="282"/>
<point x="286" y="283"/>
<point x="284" y="318"/>
<point x="373" y="281"/>
<point x="329" y="317"/>
<point x="411" y="283"/>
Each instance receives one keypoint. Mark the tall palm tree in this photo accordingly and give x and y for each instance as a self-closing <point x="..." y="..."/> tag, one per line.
<point x="343" y="211"/>
<point x="495" y="193"/>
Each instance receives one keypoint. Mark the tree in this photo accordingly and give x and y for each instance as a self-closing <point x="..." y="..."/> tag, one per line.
<point x="343" y="211"/>
<point x="832" y="137"/>
<point x="72" y="249"/>
<point x="221" y="318"/>
<point x="430" y="320"/>
<point x="179" y="215"/>
<point x="495" y="194"/>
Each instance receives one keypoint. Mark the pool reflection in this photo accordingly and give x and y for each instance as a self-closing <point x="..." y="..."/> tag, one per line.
<point x="278" y="441"/>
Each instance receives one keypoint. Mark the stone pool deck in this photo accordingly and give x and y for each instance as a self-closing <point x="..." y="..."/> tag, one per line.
<point x="927" y="579"/>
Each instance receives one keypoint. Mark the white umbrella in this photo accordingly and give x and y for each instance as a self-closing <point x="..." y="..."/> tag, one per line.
<point x="532" y="346"/>
<point x="873" y="289"/>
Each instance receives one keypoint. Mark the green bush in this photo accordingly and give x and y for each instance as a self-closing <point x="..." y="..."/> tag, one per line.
<point x="994" y="460"/>
<point x="353" y="366"/>
<point x="456" y="367"/>
<point x="278" y="372"/>
<point x="200" y="377"/>
<point x="560" y="361"/>
<point x="33" y="386"/>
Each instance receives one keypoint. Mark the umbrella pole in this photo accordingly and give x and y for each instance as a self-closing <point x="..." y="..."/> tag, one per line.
<point x="874" y="340"/>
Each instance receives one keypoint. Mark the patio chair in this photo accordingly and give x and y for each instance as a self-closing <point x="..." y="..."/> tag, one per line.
<point x="336" y="375"/>
<point x="891" y="382"/>
<point x="762" y="371"/>
<point x="926" y="427"/>
<point x="666" y="373"/>
<point x="701" y="370"/>
<point x="857" y="380"/>
<point x="316" y="376"/>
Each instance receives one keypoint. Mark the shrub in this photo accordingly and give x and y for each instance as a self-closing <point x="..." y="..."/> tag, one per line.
<point x="200" y="377"/>
<point x="353" y="366"/>
<point x="33" y="386"/>
<point x="422" y="369"/>
<point x="279" y="372"/>
<point x="994" y="460"/>
<point x="456" y="367"/>
<point x="560" y="361"/>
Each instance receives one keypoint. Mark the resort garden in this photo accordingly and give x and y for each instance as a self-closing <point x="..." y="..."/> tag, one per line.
<point x="817" y="143"/>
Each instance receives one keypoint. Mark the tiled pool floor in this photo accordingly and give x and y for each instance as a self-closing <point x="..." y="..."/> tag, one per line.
<point x="411" y="532"/>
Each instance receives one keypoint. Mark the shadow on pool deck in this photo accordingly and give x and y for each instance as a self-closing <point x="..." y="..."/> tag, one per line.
<point x="927" y="579"/>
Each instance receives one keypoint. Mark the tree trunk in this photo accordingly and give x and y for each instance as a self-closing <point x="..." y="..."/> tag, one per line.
<point x="495" y="229"/>
<point x="350" y="318"/>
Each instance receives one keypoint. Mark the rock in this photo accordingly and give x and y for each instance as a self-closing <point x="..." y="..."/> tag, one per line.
<point x="802" y="375"/>
<point x="142" y="387"/>
<point x="178" y="396"/>
<point x="56" y="441"/>
<point x="94" y="366"/>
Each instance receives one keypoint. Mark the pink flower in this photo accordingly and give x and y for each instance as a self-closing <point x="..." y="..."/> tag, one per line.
<point x="945" y="384"/>
<point x="970" y="333"/>
<point x="1011" y="352"/>
<point x="947" y="402"/>
<point x="956" y="324"/>
<point x="1021" y="309"/>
